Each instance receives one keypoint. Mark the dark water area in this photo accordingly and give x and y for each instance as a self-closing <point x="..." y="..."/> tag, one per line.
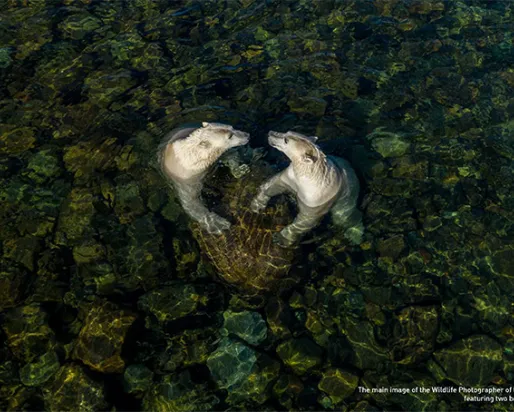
<point x="109" y="302"/>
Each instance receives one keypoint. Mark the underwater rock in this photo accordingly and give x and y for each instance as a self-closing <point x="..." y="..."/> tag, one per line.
<point x="139" y="262"/>
<point x="178" y="393"/>
<point x="5" y="57"/>
<point x="137" y="378"/>
<point x="38" y="372"/>
<point x="428" y="401"/>
<point x="473" y="361"/>
<point x="246" y="374"/>
<point x="43" y="166"/>
<point x="388" y="144"/>
<point x="84" y="159"/>
<point x="432" y="223"/>
<point x="367" y="353"/>
<point x="126" y="158"/>
<point x="278" y="317"/>
<point x="414" y="332"/>
<point x="300" y="355"/>
<point x="17" y="397"/>
<point x="28" y="333"/>
<point x="231" y="363"/>
<point x="75" y="218"/>
<point x="313" y="106"/>
<point x="338" y="384"/>
<point x="257" y="386"/>
<point x="249" y="326"/>
<point x="88" y="253"/>
<point x="13" y="285"/>
<point x="175" y="302"/>
<point x="101" y="338"/>
<point x="22" y="250"/>
<point x="16" y="140"/>
<point x="72" y="390"/>
<point x="191" y="347"/>
<point x="287" y="388"/>
<point x="78" y="26"/>
<point x="128" y="203"/>
<point x="501" y="262"/>
<point x="391" y="247"/>
<point x="105" y="88"/>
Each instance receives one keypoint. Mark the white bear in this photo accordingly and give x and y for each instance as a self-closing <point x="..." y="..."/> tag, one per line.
<point x="319" y="182"/>
<point x="185" y="157"/>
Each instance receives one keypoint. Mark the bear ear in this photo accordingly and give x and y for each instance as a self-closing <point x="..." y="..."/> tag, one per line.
<point x="205" y="144"/>
<point x="313" y="139"/>
<point x="309" y="158"/>
<point x="206" y="124"/>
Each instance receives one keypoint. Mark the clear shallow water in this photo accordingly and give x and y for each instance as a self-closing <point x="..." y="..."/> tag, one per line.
<point x="102" y="288"/>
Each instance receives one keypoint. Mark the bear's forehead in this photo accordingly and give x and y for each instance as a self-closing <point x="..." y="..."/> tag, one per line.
<point x="300" y="137"/>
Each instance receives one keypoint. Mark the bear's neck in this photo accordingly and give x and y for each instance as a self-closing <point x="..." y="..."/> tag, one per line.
<point x="317" y="174"/>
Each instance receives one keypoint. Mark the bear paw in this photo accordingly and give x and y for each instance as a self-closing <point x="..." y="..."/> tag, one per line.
<point x="355" y="234"/>
<point x="257" y="205"/>
<point x="282" y="241"/>
<point x="215" y="224"/>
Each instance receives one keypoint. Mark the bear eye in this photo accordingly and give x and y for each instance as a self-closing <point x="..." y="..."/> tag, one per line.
<point x="286" y="140"/>
<point x="230" y="136"/>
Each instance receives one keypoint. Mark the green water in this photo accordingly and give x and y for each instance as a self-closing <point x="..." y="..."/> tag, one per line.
<point x="107" y="301"/>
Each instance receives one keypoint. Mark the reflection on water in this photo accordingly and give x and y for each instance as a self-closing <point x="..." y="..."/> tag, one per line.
<point x="106" y="298"/>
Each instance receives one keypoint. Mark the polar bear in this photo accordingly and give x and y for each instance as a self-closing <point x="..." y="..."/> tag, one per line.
<point x="185" y="157"/>
<point x="320" y="183"/>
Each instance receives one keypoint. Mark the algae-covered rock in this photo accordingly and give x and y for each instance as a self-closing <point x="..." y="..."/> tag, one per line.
<point x="432" y="223"/>
<point x="104" y="88"/>
<point x="231" y="363"/>
<point x="367" y="352"/>
<point x="287" y="388"/>
<point x="22" y="250"/>
<point x="5" y="57"/>
<point x="16" y="140"/>
<point x="338" y="384"/>
<point x="313" y="106"/>
<point x="388" y="144"/>
<point x="139" y="258"/>
<point x="178" y="393"/>
<point x="246" y="374"/>
<point x="75" y="217"/>
<point x="18" y="397"/>
<point x="86" y="158"/>
<point x="78" y="26"/>
<point x="13" y="285"/>
<point x="278" y="317"/>
<point x="416" y="401"/>
<point x="73" y="390"/>
<point x="40" y="371"/>
<point x="44" y="165"/>
<point x="391" y="247"/>
<point x="137" y="378"/>
<point x="128" y="202"/>
<point x="501" y="262"/>
<point x="257" y="387"/>
<point x="88" y="252"/>
<point x="473" y="361"/>
<point x="101" y="338"/>
<point x="414" y="334"/>
<point x="249" y="326"/>
<point x="300" y="355"/>
<point x="28" y="333"/>
<point x="188" y="348"/>
<point x="174" y="302"/>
